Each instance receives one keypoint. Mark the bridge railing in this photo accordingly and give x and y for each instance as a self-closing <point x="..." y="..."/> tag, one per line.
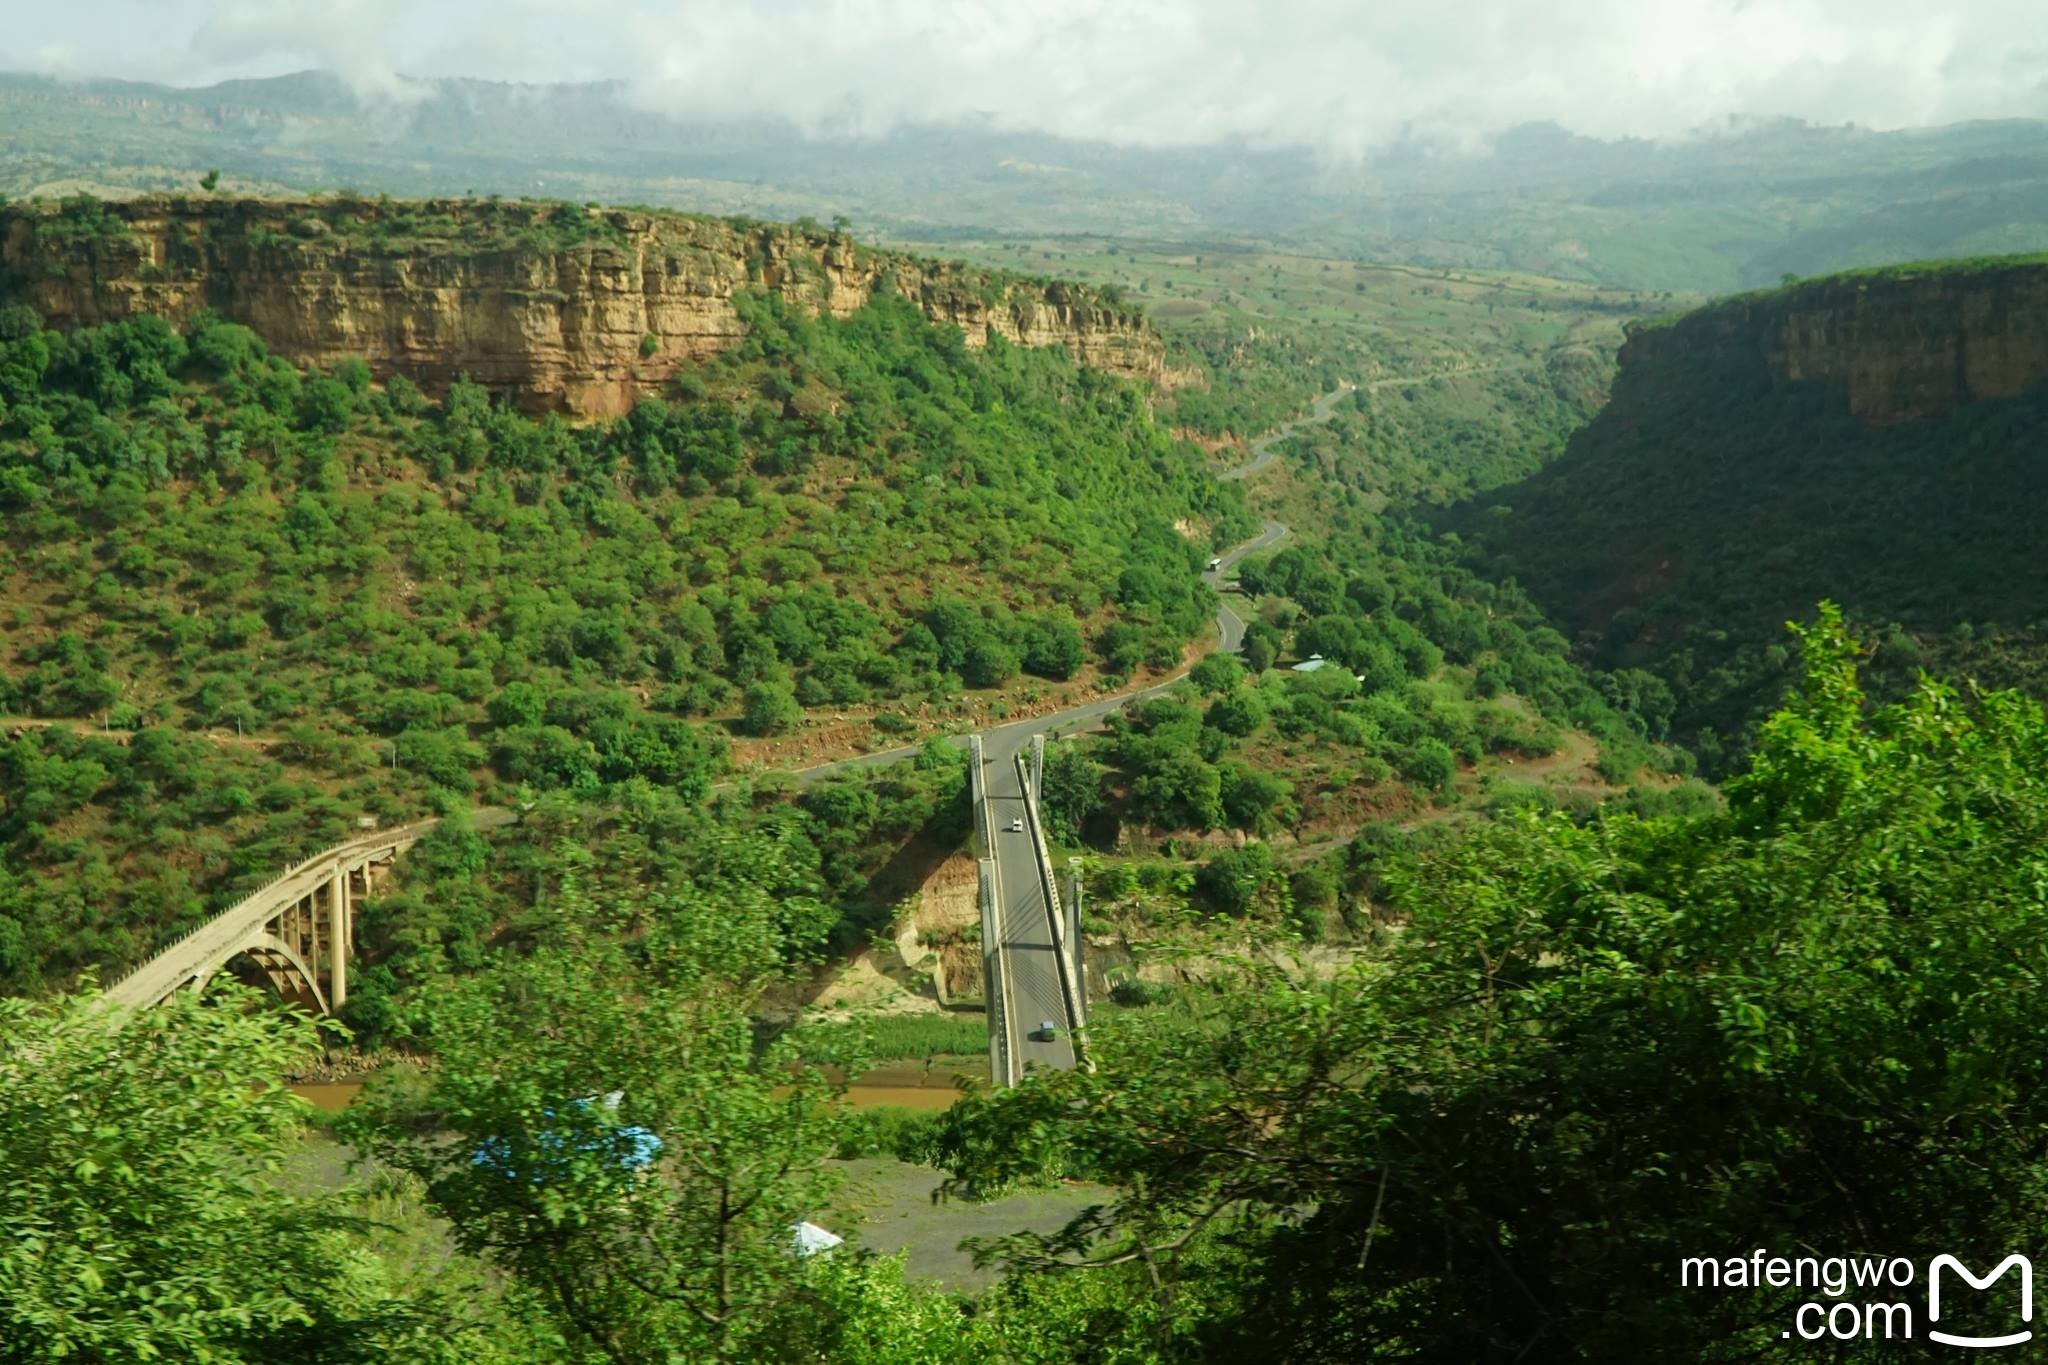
<point x="260" y="898"/>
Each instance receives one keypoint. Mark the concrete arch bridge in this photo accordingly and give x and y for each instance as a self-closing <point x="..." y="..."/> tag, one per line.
<point x="297" y="931"/>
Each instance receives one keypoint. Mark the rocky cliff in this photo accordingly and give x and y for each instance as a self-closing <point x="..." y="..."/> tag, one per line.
<point x="1902" y="343"/>
<point x="556" y="306"/>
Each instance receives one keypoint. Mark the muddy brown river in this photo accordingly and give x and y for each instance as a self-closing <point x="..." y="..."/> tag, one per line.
<point x="906" y="1086"/>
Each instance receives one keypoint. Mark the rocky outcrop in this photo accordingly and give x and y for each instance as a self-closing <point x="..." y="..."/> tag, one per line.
<point x="1902" y="344"/>
<point x="553" y="305"/>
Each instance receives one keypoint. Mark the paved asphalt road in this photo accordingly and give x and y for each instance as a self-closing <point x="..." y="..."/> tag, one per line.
<point x="1028" y="961"/>
<point x="1030" y="968"/>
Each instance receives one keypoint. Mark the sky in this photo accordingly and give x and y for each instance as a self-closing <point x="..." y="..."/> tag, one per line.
<point x="1343" y="76"/>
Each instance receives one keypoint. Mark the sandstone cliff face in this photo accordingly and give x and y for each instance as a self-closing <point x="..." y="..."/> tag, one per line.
<point x="1902" y="345"/>
<point x="550" y="305"/>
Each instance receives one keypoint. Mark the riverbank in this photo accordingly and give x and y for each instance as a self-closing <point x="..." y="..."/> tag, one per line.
<point x="928" y="1085"/>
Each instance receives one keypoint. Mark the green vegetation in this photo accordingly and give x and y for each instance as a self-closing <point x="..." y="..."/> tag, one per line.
<point x="1595" y="1048"/>
<point x="688" y="1259"/>
<point x="1460" y="359"/>
<point x="1711" y="502"/>
<point x="1439" y="691"/>
<point x="1593" y="1051"/>
<point x="902" y="1036"/>
<point x="378" y="604"/>
<point x="827" y="868"/>
<point x="82" y="218"/>
<point x="143" y="1218"/>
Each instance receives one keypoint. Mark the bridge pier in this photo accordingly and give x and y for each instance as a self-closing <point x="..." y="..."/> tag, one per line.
<point x="337" y="941"/>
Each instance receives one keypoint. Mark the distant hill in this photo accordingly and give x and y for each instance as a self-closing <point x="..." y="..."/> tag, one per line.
<point x="1732" y="208"/>
<point x="1876" y="438"/>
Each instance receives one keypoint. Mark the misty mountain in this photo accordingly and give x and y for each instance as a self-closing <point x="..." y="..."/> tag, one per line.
<point x="1736" y="205"/>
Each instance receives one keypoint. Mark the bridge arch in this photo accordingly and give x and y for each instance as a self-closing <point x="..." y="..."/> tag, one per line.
<point x="288" y="974"/>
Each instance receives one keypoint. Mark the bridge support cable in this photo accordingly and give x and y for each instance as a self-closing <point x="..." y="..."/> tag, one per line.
<point x="1077" y="942"/>
<point x="1002" y="1065"/>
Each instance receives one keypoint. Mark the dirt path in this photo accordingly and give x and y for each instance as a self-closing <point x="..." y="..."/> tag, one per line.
<point x="14" y="725"/>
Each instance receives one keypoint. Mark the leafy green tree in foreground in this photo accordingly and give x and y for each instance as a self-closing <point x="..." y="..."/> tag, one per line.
<point x="537" y="1151"/>
<point x="139" y="1218"/>
<point x="1809" y="1022"/>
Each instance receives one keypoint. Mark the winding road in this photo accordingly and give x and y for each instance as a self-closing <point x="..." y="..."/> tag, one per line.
<point x="1004" y="741"/>
<point x="1319" y="411"/>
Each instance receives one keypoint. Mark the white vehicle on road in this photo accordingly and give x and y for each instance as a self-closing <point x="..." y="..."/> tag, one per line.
<point x="1216" y="563"/>
<point x="1017" y="825"/>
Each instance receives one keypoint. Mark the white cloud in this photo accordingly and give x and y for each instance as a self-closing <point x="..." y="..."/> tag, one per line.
<point x="1342" y="75"/>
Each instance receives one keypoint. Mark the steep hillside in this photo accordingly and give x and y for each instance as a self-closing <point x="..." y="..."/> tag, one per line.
<point x="242" y="604"/>
<point x="551" y="304"/>
<point x="1875" y="438"/>
<point x="1905" y="342"/>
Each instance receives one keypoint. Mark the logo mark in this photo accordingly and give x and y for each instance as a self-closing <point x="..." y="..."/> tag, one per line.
<point x="2026" y="1298"/>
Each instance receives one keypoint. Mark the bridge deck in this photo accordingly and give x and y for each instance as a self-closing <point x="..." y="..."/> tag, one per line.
<point x="1028" y="965"/>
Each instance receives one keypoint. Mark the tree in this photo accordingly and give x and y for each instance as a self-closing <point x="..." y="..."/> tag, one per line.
<point x="1261" y="646"/>
<point x="1430" y="765"/>
<point x="1216" y="673"/>
<point x="1251" y="798"/>
<point x="1173" y="787"/>
<point x="325" y="405"/>
<point x="988" y="661"/>
<point x="210" y="181"/>
<point x="638" y="1163"/>
<point x="1829" y="988"/>
<point x="142" y="1218"/>
<point x="769" y="708"/>
<point x="1235" y="879"/>
<point x="1053" y="647"/>
<point x="1073" y="791"/>
<point x="1237" y="713"/>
